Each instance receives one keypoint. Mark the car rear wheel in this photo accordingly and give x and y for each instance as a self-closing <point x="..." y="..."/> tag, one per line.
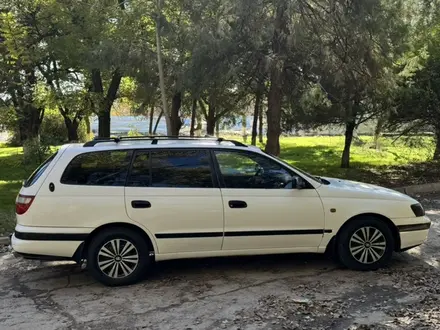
<point x="118" y="256"/>
<point x="365" y="243"/>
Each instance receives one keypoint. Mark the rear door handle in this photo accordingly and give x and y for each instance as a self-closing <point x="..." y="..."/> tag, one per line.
<point x="237" y="204"/>
<point x="140" y="204"/>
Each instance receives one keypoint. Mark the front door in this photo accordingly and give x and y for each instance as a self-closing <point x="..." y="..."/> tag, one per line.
<point x="174" y="195"/>
<point x="261" y="209"/>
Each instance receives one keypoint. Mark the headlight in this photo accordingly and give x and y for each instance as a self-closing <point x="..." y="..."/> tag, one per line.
<point x="418" y="210"/>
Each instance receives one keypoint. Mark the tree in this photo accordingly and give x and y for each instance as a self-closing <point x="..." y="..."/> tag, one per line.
<point x="21" y="50"/>
<point x="161" y="70"/>
<point x="212" y="70"/>
<point x="68" y="95"/>
<point x="359" y="42"/>
<point x="418" y="99"/>
<point x="103" y="37"/>
<point x="416" y="104"/>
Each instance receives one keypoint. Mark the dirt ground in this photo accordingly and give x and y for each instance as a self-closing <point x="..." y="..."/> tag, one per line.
<point x="270" y="292"/>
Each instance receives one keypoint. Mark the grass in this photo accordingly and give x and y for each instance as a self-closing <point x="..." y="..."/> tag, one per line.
<point x="395" y="164"/>
<point x="322" y="156"/>
<point x="12" y="173"/>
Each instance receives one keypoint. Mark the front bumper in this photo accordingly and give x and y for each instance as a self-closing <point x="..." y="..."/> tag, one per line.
<point x="413" y="231"/>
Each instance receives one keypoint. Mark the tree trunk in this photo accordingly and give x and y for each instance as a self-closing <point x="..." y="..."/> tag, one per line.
<point x="244" y="128"/>
<point x="275" y="96"/>
<point x="105" y="106"/>
<point x="217" y="128"/>
<point x="260" y="125"/>
<point x="104" y="124"/>
<point x="198" y="131"/>
<point x="29" y="126"/>
<point x="274" y="112"/>
<point x="193" y="117"/>
<point x="150" y="125"/>
<point x="378" y="132"/>
<point x="88" y="127"/>
<point x="210" y="121"/>
<point x="72" y="129"/>
<point x="160" y="69"/>
<point x="176" y="122"/>
<point x="29" y="121"/>
<point x="257" y="111"/>
<point x="349" y="129"/>
<point x="157" y="122"/>
<point x="437" y="144"/>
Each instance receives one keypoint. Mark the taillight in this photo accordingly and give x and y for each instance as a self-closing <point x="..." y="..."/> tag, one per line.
<point x="23" y="203"/>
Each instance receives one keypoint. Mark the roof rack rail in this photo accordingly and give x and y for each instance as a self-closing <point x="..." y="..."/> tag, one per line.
<point x="155" y="138"/>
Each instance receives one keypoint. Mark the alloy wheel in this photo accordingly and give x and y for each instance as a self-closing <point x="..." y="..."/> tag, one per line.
<point x="367" y="245"/>
<point x="118" y="258"/>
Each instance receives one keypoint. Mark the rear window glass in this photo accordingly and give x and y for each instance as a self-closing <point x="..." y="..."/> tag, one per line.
<point x="171" y="169"/>
<point x="102" y="168"/>
<point x="39" y="171"/>
<point x="181" y="169"/>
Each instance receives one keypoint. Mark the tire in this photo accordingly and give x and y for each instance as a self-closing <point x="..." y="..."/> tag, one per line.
<point x="375" y="252"/>
<point x="125" y="267"/>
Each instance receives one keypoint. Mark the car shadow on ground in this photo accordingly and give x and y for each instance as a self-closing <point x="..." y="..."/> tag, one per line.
<point x="253" y="285"/>
<point x="274" y="266"/>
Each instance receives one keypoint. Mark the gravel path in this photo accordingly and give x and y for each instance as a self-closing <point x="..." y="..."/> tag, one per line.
<point x="271" y="292"/>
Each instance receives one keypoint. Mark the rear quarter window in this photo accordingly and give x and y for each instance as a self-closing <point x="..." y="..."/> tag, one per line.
<point x="101" y="168"/>
<point x="39" y="171"/>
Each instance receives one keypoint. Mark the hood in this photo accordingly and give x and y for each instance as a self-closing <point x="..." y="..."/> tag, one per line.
<point x="353" y="189"/>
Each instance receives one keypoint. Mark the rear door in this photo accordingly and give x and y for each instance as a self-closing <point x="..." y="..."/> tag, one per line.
<point x="174" y="194"/>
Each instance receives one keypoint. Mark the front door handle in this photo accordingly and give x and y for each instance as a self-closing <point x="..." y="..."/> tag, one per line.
<point x="140" y="204"/>
<point x="237" y="204"/>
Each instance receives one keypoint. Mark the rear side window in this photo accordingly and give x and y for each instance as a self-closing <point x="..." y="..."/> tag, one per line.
<point x="102" y="168"/>
<point x="39" y="171"/>
<point x="140" y="174"/>
<point x="171" y="169"/>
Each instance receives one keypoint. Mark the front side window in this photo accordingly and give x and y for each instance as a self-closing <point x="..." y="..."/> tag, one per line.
<point x="181" y="169"/>
<point x="252" y="171"/>
<point x="102" y="168"/>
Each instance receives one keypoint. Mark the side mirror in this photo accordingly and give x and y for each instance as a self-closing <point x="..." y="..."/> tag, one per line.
<point x="298" y="183"/>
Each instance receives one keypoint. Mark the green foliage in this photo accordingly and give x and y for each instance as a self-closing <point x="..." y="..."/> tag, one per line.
<point x="83" y="136"/>
<point x="134" y="132"/>
<point x="338" y="61"/>
<point x="53" y="129"/>
<point x="35" y="151"/>
<point x="418" y="97"/>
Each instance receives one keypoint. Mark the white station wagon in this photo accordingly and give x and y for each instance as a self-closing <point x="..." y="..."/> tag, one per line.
<point x="123" y="203"/>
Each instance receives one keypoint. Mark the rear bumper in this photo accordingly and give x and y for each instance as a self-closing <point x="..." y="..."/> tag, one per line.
<point x="41" y="257"/>
<point x="45" y="249"/>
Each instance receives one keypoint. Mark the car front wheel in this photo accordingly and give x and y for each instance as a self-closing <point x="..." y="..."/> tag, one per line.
<point x="366" y="243"/>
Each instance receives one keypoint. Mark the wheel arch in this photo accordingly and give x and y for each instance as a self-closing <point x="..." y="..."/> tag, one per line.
<point x="82" y="249"/>
<point x="381" y="217"/>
